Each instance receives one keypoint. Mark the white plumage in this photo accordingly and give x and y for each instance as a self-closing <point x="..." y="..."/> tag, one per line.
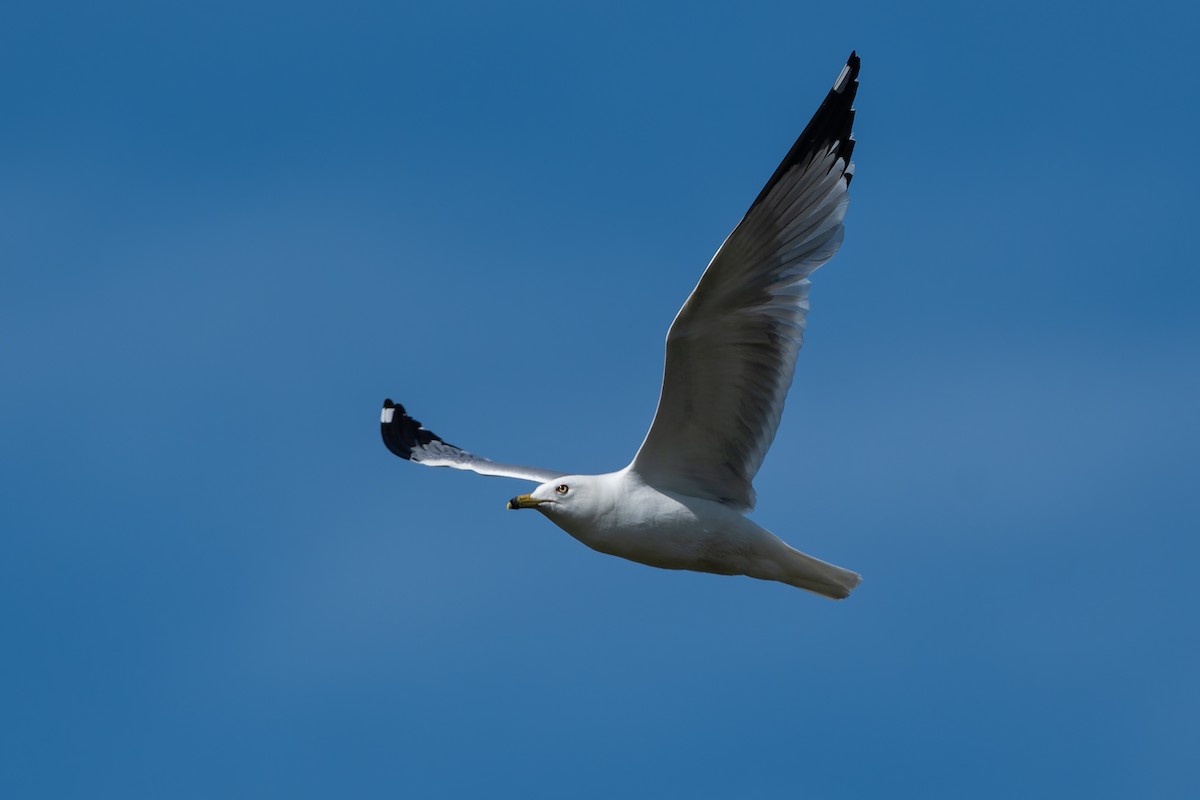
<point x="731" y="354"/>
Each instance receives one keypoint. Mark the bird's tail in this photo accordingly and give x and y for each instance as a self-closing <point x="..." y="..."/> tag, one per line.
<point x="805" y="572"/>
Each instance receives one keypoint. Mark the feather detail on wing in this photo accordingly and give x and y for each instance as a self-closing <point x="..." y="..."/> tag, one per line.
<point x="732" y="349"/>
<point x="407" y="438"/>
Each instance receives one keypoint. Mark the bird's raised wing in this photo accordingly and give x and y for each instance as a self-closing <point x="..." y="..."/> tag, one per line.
<point x="408" y="439"/>
<point x="732" y="349"/>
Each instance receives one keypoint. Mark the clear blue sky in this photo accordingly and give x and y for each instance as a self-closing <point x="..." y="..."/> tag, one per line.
<point x="229" y="230"/>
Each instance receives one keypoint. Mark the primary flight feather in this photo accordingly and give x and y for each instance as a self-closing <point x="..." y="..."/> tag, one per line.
<point x="731" y="353"/>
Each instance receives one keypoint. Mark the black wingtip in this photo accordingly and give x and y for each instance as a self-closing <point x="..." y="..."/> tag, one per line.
<point x="401" y="433"/>
<point x="852" y="65"/>
<point x="833" y="122"/>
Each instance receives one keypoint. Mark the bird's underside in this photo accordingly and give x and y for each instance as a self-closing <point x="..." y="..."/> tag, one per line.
<point x="730" y="356"/>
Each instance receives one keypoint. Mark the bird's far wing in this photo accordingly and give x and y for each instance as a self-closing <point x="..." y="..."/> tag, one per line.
<point x="407" y="438"/>
<point x="732" y="349"/>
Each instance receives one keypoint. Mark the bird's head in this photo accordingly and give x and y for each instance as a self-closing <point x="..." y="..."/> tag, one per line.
<point x="559" y="496"/>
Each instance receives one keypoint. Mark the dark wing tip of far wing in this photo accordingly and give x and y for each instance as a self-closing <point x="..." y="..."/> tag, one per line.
<point x="401" y="433"/>
<point x="833" y="122"/>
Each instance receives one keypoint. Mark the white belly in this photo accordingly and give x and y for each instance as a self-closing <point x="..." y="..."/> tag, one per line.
<point x="681" y="533"/>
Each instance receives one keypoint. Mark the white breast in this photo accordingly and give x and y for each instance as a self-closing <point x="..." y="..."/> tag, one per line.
<point x="625" y="517"/>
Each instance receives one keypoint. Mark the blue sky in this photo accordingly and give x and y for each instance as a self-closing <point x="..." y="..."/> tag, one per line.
<point x="228" y="231"/>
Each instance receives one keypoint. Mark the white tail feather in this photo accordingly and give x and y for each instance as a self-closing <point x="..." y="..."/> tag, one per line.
<point x="805" y="572"/>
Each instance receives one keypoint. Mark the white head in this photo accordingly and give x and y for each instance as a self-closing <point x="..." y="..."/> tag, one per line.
<point x="559" y="497"/>
<point x="569" y="497"/>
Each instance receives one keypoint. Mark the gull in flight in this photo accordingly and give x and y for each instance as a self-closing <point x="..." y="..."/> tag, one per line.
<point x="731" y="352"/>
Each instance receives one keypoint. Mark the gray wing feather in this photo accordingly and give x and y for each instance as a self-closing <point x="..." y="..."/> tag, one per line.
<point x="731" y="351"/>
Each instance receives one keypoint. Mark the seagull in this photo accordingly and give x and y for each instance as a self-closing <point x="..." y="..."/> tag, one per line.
<point x="731" y="352"/>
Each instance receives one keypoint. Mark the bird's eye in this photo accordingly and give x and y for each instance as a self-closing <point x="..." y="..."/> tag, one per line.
<point x="562" y="488"/>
